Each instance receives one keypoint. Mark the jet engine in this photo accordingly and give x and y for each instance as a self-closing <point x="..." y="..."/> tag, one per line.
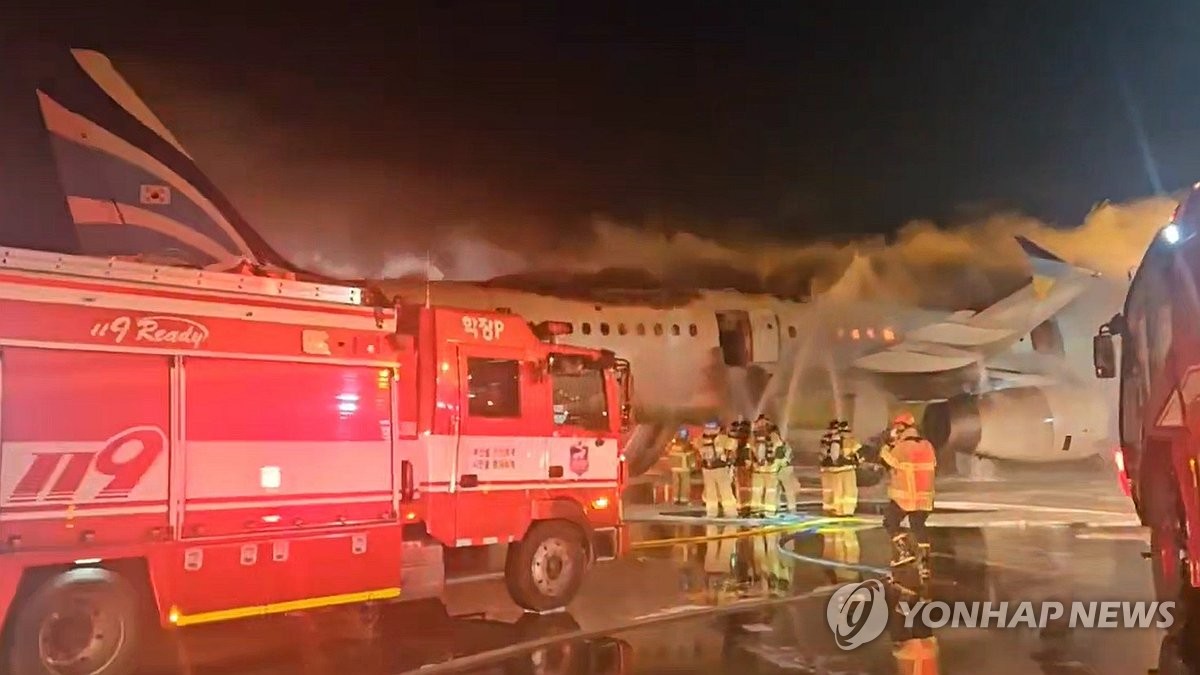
<point x="1025" y="424"/>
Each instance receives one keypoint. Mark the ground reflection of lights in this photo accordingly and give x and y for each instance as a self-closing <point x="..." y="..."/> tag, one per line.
<point x="773" y="528"/>
<point x="841" y="526"/>
<point x="796" y="528"/>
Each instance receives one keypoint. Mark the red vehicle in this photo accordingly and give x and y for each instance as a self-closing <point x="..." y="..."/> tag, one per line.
<point x="1159" y="370"/>
<point x="200" y="446"/>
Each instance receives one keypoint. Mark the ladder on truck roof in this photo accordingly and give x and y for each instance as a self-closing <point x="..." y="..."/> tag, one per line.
<point x="181" y="277"/>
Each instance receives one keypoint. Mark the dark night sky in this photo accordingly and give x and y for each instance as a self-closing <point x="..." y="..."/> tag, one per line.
<point x="793" y="119"/>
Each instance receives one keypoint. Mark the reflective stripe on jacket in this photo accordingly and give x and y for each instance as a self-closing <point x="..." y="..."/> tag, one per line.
<point x="912" y="463"/>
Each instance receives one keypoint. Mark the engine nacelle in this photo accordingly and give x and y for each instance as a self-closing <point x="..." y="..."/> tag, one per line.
<point x="1027" y="424"/>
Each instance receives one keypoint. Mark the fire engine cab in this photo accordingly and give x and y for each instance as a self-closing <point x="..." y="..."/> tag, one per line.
<point x="193" y="446"/>
<point x="1157" y="362"/>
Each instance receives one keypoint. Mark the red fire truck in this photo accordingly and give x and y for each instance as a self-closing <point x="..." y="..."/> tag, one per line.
<point x="194" y="446"/>
<point x="1159" y="369"/>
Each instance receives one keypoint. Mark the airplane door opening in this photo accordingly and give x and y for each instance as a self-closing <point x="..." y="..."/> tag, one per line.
<point x="764" y="333"/>
<point x="733" y="332"/>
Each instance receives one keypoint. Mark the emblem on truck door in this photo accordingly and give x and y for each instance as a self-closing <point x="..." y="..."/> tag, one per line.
<point x="579" y="459"/>
<point x="123" y="459"/>
<point x="153" y="330"/>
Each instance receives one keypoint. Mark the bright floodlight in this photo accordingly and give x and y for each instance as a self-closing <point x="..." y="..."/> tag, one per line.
<point x="1171" y="233"/>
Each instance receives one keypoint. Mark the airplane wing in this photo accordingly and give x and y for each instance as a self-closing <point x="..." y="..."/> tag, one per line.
<point x="964" y="338"/>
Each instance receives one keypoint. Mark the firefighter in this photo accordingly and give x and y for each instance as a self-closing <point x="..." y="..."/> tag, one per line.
<point x="827" y="463"/>
<point x="788" y="482"/>
<point x="839" y="470"/>
<point x="911" y="462"/>
<point x="844" y="472"/>
<point x="716" y="450"/>
<point x="743" y="464"/>
<point x="764" y="492"/>
<point x="682" y="458"/>
<point x="739" y="429"/>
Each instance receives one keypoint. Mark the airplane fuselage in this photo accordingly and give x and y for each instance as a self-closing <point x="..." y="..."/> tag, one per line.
<point x="717" y="354"/>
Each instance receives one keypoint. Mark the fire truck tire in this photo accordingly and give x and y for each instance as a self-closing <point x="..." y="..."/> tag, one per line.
<point x="84" y="621"/>
<point x="543" y="571"/>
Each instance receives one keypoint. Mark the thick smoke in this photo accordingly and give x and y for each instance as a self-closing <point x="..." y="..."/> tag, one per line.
<point x="353" y="218"/>
<point x="965" y="266"/>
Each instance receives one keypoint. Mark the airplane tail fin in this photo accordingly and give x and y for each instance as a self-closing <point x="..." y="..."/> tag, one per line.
<point x="1035" y="251"/>
<point x="1048" y="269"/>
<point x="1045" y="263"/>
<point x="86" y="168"/>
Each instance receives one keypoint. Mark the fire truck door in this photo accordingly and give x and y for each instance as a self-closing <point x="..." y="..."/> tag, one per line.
<point x="503" y="424"/>
<point x="582" y="445"/>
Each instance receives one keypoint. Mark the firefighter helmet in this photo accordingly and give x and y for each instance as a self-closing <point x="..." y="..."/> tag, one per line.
<point x="904" y="419"/>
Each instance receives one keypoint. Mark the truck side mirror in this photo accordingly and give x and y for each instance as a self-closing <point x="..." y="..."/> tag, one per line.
<point x="1104" y="354"/>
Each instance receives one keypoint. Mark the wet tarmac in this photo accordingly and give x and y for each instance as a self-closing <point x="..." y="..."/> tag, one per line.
<point x="718" y="598"/>
<point x="813" y="508"/>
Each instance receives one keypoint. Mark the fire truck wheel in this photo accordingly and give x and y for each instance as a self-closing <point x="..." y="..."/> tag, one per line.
<point x="85" y="621"/>
<point x="544" y="570"/>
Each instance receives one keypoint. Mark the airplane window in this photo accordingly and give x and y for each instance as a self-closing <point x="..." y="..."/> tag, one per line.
<point x="604" y="329"/>
<point x="641" y="329"/>
<point x="621" y="330"/>
<point x="674" y="329"/>
<point x="587" y="328"/>
<point x="693" y="331"/>
<point x="658" y="329"/>
<point x="791" y="331"/>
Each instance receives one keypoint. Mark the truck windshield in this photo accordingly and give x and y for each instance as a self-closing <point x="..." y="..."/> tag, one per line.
<point x="579" y="399"/>
<point x="1135" y="375"/>
<point x="1145" y="346"/>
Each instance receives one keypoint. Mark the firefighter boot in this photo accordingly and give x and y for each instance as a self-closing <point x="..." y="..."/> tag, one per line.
<point x="902" y="553"/>
<point x="924" y="562"/>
